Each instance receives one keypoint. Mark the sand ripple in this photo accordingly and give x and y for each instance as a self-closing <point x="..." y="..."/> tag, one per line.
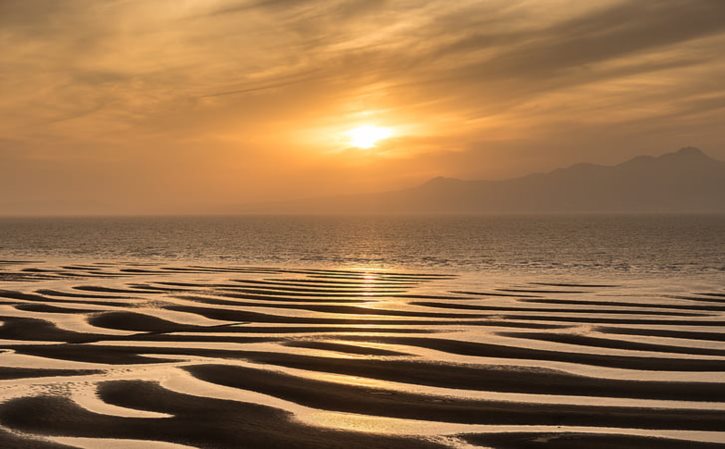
<point x="177" y="356"/>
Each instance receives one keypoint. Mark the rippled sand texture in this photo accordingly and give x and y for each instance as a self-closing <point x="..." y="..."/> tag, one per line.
<point x="129" y="355"/>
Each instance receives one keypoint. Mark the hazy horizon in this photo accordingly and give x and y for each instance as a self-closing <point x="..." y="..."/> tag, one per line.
<point x="160" y="107"/>
<point x="277" y="208"/>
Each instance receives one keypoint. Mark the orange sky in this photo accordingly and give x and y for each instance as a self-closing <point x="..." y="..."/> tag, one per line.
<point x="185" y="106"/>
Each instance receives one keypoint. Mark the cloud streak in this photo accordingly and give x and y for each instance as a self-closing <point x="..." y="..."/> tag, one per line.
<point x="251" y="97"/>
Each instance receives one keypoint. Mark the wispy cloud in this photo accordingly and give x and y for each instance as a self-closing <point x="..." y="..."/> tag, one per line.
<point x="237" y="88"/>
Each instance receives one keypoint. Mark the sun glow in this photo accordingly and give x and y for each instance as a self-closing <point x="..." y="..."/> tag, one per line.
<point x="368" y="136"/>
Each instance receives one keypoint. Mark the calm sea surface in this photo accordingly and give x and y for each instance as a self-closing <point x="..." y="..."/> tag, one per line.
<point x="584" y="244"/>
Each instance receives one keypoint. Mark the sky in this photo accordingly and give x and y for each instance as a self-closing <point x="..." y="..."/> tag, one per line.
<point x="200" y="106"/>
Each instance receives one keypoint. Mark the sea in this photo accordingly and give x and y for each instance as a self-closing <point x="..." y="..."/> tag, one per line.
<point x="591" y="245"/>
<point x="397" y="332"/>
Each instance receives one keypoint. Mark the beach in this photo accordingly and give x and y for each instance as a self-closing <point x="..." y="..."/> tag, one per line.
<point x="99" y="354"/>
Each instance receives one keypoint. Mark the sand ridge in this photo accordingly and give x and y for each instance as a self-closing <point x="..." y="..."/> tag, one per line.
<point x="336" y="357"/>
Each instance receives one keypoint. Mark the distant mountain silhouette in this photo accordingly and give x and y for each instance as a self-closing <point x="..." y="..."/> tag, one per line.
<point x="686" y="181"/>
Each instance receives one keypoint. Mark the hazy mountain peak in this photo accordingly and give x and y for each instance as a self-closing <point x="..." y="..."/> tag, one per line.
<point x="686" y="180"/>
<point x="691" y="152"/>
<point x="682" y="156"/>
<point x="683" y="181"/>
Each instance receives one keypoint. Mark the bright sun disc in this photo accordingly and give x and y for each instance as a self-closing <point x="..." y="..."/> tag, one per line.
<point x="367" y="136"/>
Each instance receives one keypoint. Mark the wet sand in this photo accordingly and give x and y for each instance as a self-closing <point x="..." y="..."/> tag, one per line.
<point x="263" y="357"/>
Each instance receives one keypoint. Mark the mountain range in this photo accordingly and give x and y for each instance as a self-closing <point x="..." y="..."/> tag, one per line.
<point x="685" y="181"/>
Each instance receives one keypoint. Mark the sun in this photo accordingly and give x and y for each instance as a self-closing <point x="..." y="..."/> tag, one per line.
<point x="368" y="136"/>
